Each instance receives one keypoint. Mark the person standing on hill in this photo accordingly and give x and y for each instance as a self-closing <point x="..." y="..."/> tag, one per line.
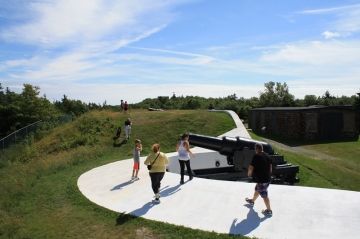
<point x="127" y="124"/>
<point x="157" y="162"/>
<point x="184" y="153"/>
<point x="136" y="153"/>
<point x="260" y="169"/>
<point x="121" y="105"/>
<point x="126" y="106"/>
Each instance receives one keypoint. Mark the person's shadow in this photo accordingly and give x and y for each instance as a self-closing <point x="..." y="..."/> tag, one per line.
<point x="124" y="218"/>
<point x="168" y="191"/>
<point x="247" y="225"/>
<point x="164" y="192"/>
<point x="121" y="185"/>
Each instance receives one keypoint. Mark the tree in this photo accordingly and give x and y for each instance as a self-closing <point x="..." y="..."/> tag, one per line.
<point x="73" y="107"/>
<point x="310" y="100"/>
<point x="327" y="99"/>
<point x="357" y="101"/>
<point x="276" y="94"/>
<point x="19" y="110"/>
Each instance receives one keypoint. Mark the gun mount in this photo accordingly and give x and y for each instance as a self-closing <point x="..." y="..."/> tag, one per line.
<point x="239" y="152"/>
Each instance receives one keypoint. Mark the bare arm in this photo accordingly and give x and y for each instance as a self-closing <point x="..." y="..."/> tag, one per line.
<point x="250" y="170"/>
<point x="147" y="160"/>
<point x="187" y="147"/>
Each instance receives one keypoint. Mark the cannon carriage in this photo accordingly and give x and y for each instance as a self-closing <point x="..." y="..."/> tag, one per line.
<point x="239" y="152"/>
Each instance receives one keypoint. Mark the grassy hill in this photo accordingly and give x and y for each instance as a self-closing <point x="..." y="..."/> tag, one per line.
<point x="38" y="182"/>
<point x="39" y="195"/>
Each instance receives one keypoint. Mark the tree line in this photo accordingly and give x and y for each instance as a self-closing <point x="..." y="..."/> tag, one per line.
<point x="275" y="94"/>
<point x="20" y="109"/>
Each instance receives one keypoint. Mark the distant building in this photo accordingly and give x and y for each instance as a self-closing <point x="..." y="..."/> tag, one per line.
<point x="309" y="123"/>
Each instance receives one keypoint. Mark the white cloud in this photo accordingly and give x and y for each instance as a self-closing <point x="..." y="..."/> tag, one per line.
<point x="100" y="34"/>
<point x="305" y="66"/>
<point x="315" y="53"/>
<point x="347" y="18"/>
<point x="62" y="22"/>
<point x="330" y="9"/>
<point x="134" y="93"/>
<point x="330" y="35"/>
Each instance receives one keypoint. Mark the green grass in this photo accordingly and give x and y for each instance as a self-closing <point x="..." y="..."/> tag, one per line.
<point x="38" y="183"/>
<point x="343" y="172"/>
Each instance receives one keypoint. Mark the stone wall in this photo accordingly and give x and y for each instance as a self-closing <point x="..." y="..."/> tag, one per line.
<point x="306" y="124"/>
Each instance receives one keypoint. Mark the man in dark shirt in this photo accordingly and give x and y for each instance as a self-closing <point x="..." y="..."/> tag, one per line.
<point x="260" y="169"/>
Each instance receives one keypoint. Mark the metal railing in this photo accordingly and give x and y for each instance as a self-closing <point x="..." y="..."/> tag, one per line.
<point x="19" y="135"/>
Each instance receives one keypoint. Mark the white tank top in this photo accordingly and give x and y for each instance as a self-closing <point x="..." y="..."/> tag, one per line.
<point x="183" y="153"/>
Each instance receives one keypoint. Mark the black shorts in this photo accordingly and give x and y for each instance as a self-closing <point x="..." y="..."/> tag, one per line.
<point x="261" y="188"/>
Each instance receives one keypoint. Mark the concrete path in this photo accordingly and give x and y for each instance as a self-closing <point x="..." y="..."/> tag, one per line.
<point x="211" y="205"/>
<point x="240" y="129"/>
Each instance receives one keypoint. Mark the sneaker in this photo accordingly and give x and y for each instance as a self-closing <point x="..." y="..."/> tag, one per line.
<point x="136" y="178"/>
<point x="157" y="195"/>
<point x="267" y="212"/>
<point x="156" y="201"/>
<point x="132" y="178"/>
<point x="249" y="201"/>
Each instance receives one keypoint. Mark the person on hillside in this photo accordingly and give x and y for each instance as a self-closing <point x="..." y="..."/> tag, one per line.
<point x="260" y="170"/>
<point x="127" y="124"/>
<point x="157" y="161"/>
<point x="136" y="153"/>
<point x="121" y="105"/>
<point x="184" y="153"/>
<point x="126" y="106"/>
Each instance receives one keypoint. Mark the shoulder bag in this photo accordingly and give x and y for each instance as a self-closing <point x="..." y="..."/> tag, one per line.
<point x="150" y="165"/>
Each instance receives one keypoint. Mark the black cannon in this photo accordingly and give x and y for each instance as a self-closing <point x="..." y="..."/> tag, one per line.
<point x="239" y="152"/>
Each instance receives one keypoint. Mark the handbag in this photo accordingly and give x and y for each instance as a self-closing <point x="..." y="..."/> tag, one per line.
<point x="150" y="165"/>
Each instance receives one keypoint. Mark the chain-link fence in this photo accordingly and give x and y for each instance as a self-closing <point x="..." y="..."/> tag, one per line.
<point x="19" y="134"/>
<point x="22" y="133"/>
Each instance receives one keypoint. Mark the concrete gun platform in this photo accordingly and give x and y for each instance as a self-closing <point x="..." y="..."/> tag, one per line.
<point x="219" y="206"/>
<point x="212" y="205"/>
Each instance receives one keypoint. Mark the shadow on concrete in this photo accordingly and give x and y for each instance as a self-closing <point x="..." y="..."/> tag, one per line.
<point x="143" y="210"/>
<point x="124" y="218"/>
<point x="247" y="225"/>
<point x="168" y="191"/>
<point x="121" y="185"/>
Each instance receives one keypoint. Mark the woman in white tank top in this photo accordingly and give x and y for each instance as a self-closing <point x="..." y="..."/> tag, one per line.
<point x="184" y="153"/>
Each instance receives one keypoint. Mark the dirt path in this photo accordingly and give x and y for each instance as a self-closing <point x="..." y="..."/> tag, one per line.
<point x="301" y="150"/>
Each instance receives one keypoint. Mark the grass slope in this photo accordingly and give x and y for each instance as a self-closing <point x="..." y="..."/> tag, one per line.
<point x="39" y="195"/>
<point x="340" y="171"/>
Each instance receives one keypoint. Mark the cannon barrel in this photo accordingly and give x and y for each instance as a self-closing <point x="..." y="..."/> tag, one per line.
<point x="227" y="145"/>
<point x="239" y="153"/>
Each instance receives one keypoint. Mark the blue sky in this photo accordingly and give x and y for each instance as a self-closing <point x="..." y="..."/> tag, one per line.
<point x="97" y="50"/>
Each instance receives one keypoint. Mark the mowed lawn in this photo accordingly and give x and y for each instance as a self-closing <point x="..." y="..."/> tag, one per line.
<point x="38" y="182"/>
<point x="341" y="170"/>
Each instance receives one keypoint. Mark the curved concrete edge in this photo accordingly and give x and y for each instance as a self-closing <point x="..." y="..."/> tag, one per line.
<point x="239" y="130"/>
<point x="211" y="205"/>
